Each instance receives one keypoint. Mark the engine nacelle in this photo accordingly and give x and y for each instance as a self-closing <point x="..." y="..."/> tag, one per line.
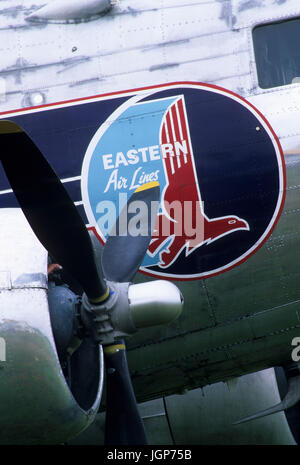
<point x="38" y="404"/>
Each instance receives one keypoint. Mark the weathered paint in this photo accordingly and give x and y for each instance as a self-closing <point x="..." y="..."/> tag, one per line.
<point x="245" y="319"/>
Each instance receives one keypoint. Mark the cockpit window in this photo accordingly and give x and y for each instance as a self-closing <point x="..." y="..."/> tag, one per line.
<point x="277" y="53"/>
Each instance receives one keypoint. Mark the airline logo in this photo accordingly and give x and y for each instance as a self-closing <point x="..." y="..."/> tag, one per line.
<point x="220" y="169"/>
<point x="182" y="183"/>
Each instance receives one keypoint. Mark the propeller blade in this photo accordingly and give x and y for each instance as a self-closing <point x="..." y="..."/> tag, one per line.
<point x="123" y="425"/>
<point x="49" y="210"/>
<point x="127" y="244"/>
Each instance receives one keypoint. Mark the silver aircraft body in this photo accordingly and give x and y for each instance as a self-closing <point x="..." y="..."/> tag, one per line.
<point x="63" y="61"/>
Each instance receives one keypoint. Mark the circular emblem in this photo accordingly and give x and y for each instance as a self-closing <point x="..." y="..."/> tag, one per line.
<point x="219" y="165"/>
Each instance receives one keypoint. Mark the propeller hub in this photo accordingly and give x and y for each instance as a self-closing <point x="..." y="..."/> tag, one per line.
<point x="130" y="307"/>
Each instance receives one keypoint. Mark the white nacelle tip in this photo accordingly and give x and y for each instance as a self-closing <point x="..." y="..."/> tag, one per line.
<point x="71" y="10"/>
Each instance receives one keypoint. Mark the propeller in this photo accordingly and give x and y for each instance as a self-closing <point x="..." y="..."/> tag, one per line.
<point x="123" y="424"/>
<point x="56" y="222"/>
